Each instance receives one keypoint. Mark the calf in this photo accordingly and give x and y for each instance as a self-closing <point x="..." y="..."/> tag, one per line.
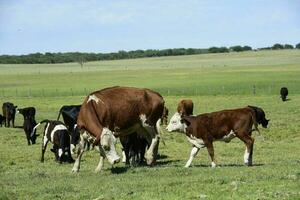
<point x="57" y="133"/>
<point x="204" y="129"/>
<point x="284" y="93"/>
<point x="2" y="119"/>
<point x="9" y="112"/>
<point x="134" y="147"/>
<point x="29" y="123"/>
<point x="185" y="108"/>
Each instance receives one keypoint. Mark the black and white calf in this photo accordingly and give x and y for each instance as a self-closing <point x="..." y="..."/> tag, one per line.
<point x="57" y="133"/>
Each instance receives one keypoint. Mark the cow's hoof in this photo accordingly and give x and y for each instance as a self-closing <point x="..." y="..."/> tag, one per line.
<point x="75" y="170"/>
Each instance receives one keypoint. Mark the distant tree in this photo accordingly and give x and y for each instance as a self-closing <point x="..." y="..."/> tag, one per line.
<point x="81" y="61"/>
<point x="213" y="50"/>
<point x="288" y="46"/>
<point x="237" y="48"/>
<point x="247" y="48"/>
<point x="223" y="50"/>
<point x="298" y="46"/>
<point x="277" y="46"/>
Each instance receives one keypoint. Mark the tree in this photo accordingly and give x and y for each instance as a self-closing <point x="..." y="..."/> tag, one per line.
<point x="297" y="46"/>
<point x="288" y="46"/>
<point x="247" y="48"/>
<point x="81" y="61"/>
<point x="237" y="48"/>
<point x="277" y="46"/>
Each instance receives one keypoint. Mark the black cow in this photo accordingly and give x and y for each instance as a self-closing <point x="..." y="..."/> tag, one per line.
<point x="29" y="123"/>
<point x="69" y="114"/>
<point x="134" y="147"/>
<point x="57" y="133"/>
<point x="2" y="119"/>
<point x="284" y="93"/>
<point x="9" y="112"/>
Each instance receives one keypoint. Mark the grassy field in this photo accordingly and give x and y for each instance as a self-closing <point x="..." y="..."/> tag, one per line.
<point x="212" y="81"/>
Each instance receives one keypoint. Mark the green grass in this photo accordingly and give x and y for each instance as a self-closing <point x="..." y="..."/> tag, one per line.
<point x="213" y="82"/>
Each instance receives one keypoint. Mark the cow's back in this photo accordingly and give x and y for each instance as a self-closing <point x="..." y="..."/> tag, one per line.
<point x="121" y="107"/>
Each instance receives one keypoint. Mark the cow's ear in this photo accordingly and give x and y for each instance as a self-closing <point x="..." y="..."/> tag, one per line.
<point x="185" y="120"/>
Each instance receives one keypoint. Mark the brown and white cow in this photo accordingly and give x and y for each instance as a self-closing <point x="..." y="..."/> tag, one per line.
<point x="185" y="108"/>
<point x="119" y="111"/>
<point x="204" y="129"/>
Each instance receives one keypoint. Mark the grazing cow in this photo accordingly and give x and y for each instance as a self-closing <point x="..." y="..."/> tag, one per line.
<point x="283" y="93"/>
<point x="2" y="119"/>
<point x="57" y="133"/>
<point x="185" y="108"/>
<point x="70" y="115"/>
<point x="119" y="111"/>
<point x="134" y="147"/>
<point x="9" y="112"/>
<point x="204" y="129"/>
<point x="29" y="123"/>
<point x="165" y="115"/>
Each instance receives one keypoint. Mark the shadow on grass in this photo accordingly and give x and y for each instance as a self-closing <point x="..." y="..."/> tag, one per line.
<point x="119" y="170"/>
<point x="231" y="165"/>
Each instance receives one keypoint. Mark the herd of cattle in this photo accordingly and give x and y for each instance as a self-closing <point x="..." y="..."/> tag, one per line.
<point x="135" y="116"/>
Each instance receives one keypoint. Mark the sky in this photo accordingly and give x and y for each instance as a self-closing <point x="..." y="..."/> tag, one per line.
<point x="29" y="26"/>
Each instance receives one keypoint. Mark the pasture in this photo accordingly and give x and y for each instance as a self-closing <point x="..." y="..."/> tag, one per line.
<point x="213" y="81"/>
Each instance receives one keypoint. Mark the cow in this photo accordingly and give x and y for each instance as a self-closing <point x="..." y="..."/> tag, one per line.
<point x="185" y="108"/>
<point x="119" y="111"/>
<point x="284" y="93"/>
<point x="134" y="147"/>
<point x="202" y="130"/>
<point x="29" y="123"/>
<point x="57" y="133"/>
<point x="2" y="119"/>
<point x="9" y="112"/>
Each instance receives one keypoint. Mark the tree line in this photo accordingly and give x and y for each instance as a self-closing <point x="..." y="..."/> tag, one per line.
<point x="37" y="58"/>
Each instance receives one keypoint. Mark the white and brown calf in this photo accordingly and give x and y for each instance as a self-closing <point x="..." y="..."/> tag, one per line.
<point x="204" y="129"/>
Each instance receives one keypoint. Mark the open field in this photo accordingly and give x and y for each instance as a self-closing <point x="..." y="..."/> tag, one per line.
<point x="212" y="81"/>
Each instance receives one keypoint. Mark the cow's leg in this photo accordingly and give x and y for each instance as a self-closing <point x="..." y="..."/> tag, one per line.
<point x="62" y="146"/>
<point x="123" y="156"/>
<point x="210" y="149"/>
<point x="28" y="138"/>
<point x="101" y="161"/>
<point x="80" y="151"/>
<point x="44" y="145"/>
<point x="151" y="135"/>
<point x="70" y="159"/>
<point x="13" y="122"/>
<point x="194" y="152"/>
<point x="249" y="141"/>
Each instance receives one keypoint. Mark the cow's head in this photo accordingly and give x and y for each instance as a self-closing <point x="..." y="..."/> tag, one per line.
<point x="260" y="116"/>
<point x="108" y="142"/>
<point x="175" y="123"/>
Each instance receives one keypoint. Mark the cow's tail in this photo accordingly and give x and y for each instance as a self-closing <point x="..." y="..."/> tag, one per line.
<point x="159" y="130"/>
<point x="34" y="128"/>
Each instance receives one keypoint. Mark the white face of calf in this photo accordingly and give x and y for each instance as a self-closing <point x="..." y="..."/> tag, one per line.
<point x="108" y="142"/>
<point x="175" y="123"/>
